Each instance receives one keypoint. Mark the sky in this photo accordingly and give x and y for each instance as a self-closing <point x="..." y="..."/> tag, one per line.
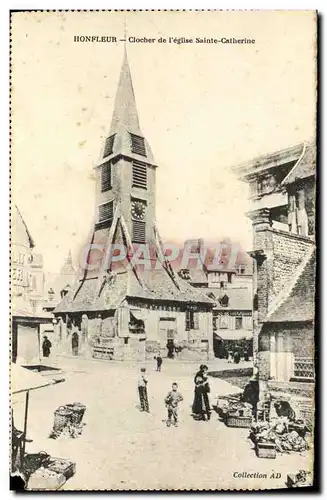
<point x="202" y="107"/>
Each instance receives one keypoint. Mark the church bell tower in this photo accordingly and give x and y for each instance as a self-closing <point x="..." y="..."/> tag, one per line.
<point x="126" y="172"/>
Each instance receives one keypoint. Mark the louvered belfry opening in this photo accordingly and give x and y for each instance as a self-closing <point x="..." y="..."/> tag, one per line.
<point x="138" y="144"/>
<point x="105" y="176"/>
<point x="108" y="148"/>
<point x="138" y="231"/>
<point x="106" y="213"/>
<point x="139" y="175"/>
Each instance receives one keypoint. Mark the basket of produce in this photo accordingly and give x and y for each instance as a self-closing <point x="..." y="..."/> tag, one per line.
<point x="62" y="466"/>
<point x="300" y="480"/>
<point x="277" y="431"/>
<point x="34" y="461"/>
<point x="265" y="449"/>
<point x="62" y="417"/>
<point x="78" y="411"/>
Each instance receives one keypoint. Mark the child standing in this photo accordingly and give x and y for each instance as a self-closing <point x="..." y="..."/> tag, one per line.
<point x="143" y="392"/>
<point x="159" y="363"/>
<point x="171" y="400"/>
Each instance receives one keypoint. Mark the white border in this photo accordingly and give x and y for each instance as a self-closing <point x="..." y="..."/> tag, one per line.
<point x="4" y="151"/>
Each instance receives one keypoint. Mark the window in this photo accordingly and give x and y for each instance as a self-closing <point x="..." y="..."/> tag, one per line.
<point x="223" y="322"/>
<point x="105" y="176"/>
<point x="109" y="145"/>
<point x="191" y="321"/>
<point x="138" y="145"/>
<point x="106" y="211"/>
<point x="238" y="323"/>
<point x="139" y="175"/>
<point x="224" y="301"/>
<point x="241" y="269"/>
<point x="229" y="277"/>
<point x="138" y="231"/>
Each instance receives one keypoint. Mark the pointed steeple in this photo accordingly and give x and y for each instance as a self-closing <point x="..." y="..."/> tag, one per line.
<point x="125" y="136"/>
<point x="67" y="268"/>
<point x="125" y="112"/>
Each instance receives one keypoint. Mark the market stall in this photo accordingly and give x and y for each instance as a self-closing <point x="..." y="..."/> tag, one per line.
<point x="23" y="381"/>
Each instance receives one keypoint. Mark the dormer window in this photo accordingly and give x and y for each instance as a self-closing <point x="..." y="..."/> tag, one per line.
<point x="138" y="145"/>
<point x="224" y="301"/>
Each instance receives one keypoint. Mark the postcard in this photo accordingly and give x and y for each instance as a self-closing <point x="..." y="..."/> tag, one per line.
<point x="163" y="256"/>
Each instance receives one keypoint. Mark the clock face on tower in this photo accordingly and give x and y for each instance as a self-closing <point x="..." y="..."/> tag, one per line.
<point x="138" y="209"/>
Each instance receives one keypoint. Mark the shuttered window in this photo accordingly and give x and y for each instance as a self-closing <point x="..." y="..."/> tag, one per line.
<point x="106" y="211"/>
<point x="138" y="145"/>
<point x="138" y="231"/>
<point x="139" y="175"/>
<point x="191" y="321"/>
<point x="105" y="176"/>
<point x="109" y="145"/>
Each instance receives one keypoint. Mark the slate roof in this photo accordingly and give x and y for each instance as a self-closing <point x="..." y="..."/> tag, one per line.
<point x="299" y="302"/>
<point x="304" y="167"/>
<point x="155" y="285"/>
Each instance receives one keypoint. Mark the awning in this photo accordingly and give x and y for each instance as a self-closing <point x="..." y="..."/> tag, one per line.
<point x="226" y="334"/>
<point x="22" y="380"/>
<point x="137" y="314"/>
<point x="24" y="316"/>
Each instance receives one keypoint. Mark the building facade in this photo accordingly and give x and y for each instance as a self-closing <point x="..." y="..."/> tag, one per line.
<point x="141" y="306"/>
<point x="229" y="284"/>
<point x="29" y="322"/>
<point x="282" y="187"/>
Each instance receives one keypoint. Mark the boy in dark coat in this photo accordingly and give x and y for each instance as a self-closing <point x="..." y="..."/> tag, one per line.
<point x="159" y="363"/>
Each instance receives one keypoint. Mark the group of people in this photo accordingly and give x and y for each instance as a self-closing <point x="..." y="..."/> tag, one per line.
<point x="201" y="404"/>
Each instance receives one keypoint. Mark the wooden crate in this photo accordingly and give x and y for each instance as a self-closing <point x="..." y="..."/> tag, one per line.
<point x="266" y="450"/>
<point x="62" y="466"/>
<point x="235" y="421"/>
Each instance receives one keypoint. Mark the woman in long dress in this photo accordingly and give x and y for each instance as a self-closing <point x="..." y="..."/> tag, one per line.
<point x="201" y="404"/>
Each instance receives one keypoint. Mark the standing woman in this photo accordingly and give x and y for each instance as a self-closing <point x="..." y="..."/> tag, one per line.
<point x="201" y="404"/>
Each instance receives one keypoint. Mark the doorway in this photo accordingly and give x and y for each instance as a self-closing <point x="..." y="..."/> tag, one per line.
<point x="167" y="335"/>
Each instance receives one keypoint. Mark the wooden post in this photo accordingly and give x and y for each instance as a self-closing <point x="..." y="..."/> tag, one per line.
<point x="25" y="424"/>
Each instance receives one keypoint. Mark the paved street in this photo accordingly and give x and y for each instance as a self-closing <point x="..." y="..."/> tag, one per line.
<point x="122" y="448"/>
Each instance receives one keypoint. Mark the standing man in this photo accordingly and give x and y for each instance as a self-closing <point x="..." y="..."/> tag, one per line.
<point x="75" y="342"/>
<point x="143" y="392"/>
<point x="46" y="347"/>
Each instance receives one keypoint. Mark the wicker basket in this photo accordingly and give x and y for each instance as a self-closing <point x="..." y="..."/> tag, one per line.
<point x="62" y="417"/>
<point x="266" y="450"/>
<point x="236" y="421"/>
<point x="77" y="412"/>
